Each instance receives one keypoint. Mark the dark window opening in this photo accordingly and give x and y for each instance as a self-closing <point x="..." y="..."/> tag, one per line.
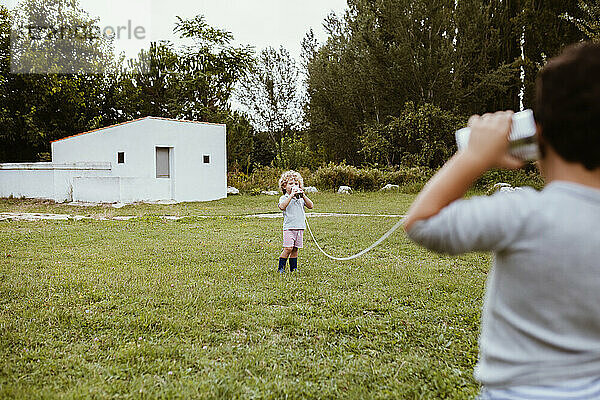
<point x="206" y="159"/>
<point x="121" y="157"/>
<point x="162" y="162"/>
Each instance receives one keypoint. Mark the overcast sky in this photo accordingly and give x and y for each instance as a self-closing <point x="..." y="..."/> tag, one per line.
<point x="260" y="23"/>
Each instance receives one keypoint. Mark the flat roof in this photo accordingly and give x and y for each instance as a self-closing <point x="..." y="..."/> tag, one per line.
<point x="136" y="120"/>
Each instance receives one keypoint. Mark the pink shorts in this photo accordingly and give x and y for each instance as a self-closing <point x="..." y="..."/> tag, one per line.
<point x="293" y="238"/>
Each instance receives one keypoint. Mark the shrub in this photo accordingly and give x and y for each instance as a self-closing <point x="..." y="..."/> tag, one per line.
<point x="420" y="135"/>
<point x="333" y="176"/>
<point x="519" y="177"/>
<point x="264" y="178"/>
<point x="410" y="179"/>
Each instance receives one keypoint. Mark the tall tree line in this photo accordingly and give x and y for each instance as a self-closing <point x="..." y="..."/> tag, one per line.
<point x="389" y="86"/>
<point x="385" y="57"/>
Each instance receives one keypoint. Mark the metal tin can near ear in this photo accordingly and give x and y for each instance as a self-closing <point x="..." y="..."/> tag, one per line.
<point x="523" y="143"/>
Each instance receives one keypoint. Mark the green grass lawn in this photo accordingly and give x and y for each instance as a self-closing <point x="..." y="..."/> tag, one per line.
<point x="195" y="309"/>
<point x="360" y="202"/>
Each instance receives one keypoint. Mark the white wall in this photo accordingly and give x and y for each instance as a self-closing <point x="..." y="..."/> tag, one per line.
<point x="45" y="180"/>
<point x="191" y="179"/>
<point x="27" y="180"/>
<point x="64" y="174"/>
<point x="144" y="189"/>
<point x="99" y="190"/>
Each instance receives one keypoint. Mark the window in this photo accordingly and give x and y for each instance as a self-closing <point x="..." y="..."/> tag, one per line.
<point x="206" y="159"/>
<point x="121" y="157"/>
<point x="162" y="162"/>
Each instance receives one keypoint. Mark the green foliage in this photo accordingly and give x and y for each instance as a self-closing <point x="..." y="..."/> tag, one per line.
<point x="193" y="82"/>
<point x="332" y="176"/>
<point x="521" y="177"/>
<point x="422" y="135"/>
<point x="240" y="142"/>
<point x="57" y="37"/>
<point x="545" y="33"/>
<point x="263" y="178"/>
<point x="188" y="82"/>
<point x="295" y="154"/>
<point x="463" y="57"/>
<point x="269" y="93"/>
<point x="264" y="150"/>
<point x="589" y="22"/>
<point x="409" y="179"/>
<point x="38" y="108"/>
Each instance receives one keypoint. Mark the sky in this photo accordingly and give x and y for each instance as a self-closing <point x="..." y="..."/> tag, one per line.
<point x="259" y="23"/>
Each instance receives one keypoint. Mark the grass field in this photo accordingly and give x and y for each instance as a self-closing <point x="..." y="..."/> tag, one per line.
<point x="195" y="309"/>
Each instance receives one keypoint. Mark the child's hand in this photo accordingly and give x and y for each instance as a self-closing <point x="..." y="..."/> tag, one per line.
<point x="489" y="140"/>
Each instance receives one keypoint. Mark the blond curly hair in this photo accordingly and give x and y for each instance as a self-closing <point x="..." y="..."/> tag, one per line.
<point x="289" y="174"/>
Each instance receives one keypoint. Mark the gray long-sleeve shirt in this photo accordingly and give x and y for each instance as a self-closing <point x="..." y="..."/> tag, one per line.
<point x="541" y="314"/>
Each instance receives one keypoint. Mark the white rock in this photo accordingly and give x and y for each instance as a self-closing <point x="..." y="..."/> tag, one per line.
<point x="118" y="205"/>
<point x="345" y="190"/>
<point x="510" y="189"/>
<point x="501" y="185"/>
<point x="232" y="190"/>
<point x="503" y="188"/>
<point x="310" y="189"/>
<point x="390" y="186"/>
<point x="270" y="192"/>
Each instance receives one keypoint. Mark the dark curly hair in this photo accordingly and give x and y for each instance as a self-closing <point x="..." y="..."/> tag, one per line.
<point x="568" y="104"/>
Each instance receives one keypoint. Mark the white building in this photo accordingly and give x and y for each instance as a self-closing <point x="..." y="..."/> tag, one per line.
<point x="147" y="159"/>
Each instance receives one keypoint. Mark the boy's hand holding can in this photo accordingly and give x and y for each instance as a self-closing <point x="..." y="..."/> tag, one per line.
<point x="489" y="140"/>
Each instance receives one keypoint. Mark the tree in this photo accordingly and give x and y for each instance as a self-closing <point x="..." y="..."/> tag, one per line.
<point x="461" y="56"/>
<point x="192" y="82"/>
<point x="57" y="37"/>
<point x="420" y="135"/>
<point x="187" y="82"/>
<point x="378" y="56"/>
<point x="270" y="94"/>
<point x="589" y="22"/>
<point x="209" y="69"/>
<point x="240" y="142"/>
<point x="545" y="34"/>
<point x="37" y="108"/>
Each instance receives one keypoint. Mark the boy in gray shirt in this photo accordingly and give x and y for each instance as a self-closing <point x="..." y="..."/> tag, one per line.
<point x="540" y="329"/>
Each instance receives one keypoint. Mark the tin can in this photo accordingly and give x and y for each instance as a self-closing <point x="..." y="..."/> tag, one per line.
<point x="522" y="139"/>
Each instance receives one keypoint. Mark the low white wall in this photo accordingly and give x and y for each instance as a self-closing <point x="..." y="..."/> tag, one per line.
<point x="115" y="189"/>
<point x="97" y="189"/>
<point x="27" y="180"/>
<point x="65" y="174"/>
<point x="46" y="180"/>
<point x="143" y="189"/>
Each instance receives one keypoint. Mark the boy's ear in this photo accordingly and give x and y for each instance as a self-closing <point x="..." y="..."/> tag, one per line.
<point x="538" y="131"/>
<point x="541" y="142"/>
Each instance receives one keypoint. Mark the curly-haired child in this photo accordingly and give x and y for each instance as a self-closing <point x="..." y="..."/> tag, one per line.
<point x="292" y="204"/>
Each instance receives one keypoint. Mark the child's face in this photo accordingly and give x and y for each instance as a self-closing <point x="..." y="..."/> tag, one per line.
<point x="289" y="183"/>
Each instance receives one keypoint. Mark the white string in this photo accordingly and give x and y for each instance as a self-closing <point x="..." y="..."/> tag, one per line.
<point x="381" y="239"/>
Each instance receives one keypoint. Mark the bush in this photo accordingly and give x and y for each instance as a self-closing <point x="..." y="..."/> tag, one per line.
<point x="410" y="179"/>
<point x="332" y="176"/>
<point x="519" y="177"/>
<point x="421" y="135"/>
<point x="264" y="178"/>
